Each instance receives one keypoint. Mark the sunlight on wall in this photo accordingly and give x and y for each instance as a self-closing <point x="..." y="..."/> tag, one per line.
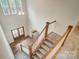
<point x="64" y="12"/>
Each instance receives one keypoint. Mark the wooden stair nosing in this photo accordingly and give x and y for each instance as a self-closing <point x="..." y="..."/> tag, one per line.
<point x="50" y="49"/>
<point x="48" y="44"/>
<point x="50" y="40"/>
<point x="45" y="47"/>
<point x="39" y="54"/>
<point x="42" y="51"/>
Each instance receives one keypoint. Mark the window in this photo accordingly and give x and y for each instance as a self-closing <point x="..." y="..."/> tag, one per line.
<point x="5" y="7"/>
<point x="12" y="7"/>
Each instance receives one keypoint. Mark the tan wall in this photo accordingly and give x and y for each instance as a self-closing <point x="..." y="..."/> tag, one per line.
<point x="5" y="50"/>
<point x="14" y="21"/>
<point x="65" y="12"/>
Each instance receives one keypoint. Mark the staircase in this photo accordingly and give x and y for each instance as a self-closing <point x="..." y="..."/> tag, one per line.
<point x="48" y="43"/>
<point x="46" y="46"/>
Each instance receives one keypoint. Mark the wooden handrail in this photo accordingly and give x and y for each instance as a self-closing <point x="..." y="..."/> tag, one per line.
<point x="30" y="47"/>
<point x="46" y="32"/>
<point x="52" y="22"/>
<point x="66" y="33"/>
<point x="46" y="27"/>
<point x="38" y="36"/>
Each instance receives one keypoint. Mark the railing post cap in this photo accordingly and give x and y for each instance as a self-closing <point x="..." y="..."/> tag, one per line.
<point x="47" y="22"/>
<point x="70" y="26"/>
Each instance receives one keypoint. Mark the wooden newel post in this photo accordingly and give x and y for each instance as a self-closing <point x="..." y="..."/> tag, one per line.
<point x="46" y="32"/>
<point x="30" y="52"/>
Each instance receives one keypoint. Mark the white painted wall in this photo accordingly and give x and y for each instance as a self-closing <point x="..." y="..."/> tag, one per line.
<point x="5" y="50"/>
<point x="14" y="21"/>
<point x="65" y="12"/>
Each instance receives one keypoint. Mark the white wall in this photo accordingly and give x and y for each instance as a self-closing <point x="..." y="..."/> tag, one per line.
<point x="65" y="12"/>
<point x="14" y="21"/>
<point x="5" y="50"/>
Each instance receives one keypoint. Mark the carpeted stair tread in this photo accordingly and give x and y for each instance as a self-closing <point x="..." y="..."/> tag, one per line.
<point x="54" y="36"/>
<point x="45" y="47"/>
<point x="48" y="43"/>
<point x="43" y="51"/>
<point x="39" y="54"/>
<point x="36" y="57"/>
<point x="50" y="40"/>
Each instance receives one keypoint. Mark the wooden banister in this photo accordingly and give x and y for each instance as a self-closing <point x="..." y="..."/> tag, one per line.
<point x="52" y="22"/>
<point x="67" y="34"/>
<point x="45" y="34"/>
<point x="38" y="36"/>
<point x="47" y="27"/>
<point x="64" y="35"/>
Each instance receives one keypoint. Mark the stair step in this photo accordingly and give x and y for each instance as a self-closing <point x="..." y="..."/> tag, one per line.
<point x="54" y="36"/>
<point x="39" y="54"/>
<point x="45" y="47"/>
<point x="50" y="40"/>
<point x="48" y="44"/>
<point x="36" y="57"/>
<point x="42" y="50"/>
